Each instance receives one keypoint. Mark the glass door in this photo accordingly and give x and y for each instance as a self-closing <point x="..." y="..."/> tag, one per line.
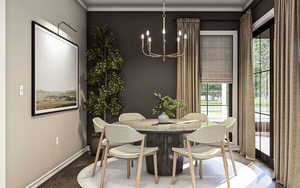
<point x="262" y="61"/>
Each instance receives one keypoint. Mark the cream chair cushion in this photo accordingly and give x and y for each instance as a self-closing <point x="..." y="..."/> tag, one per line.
<point x="131" y="116"/>
<point x="99" y="124"/>
<point x="228" y="123"/>
<point x="122" y="134"/>
<point x="195" y="116"/>
<point x="104" y="141"/>
<point x="130" y="151"/>
<point x="208" y="135"/>
<point x="199" y="151"/>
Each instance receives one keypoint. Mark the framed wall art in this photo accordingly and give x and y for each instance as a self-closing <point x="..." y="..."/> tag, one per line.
<point x="55" y="65"/>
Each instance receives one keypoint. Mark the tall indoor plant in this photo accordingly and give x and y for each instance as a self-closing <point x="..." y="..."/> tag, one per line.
<point x="104" y="75"/>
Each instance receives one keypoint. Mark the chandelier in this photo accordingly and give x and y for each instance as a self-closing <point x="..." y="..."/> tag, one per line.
<point x="148" y="51"/>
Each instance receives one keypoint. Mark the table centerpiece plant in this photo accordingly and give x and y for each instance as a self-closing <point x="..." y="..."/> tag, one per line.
<point x="166" y="107"/>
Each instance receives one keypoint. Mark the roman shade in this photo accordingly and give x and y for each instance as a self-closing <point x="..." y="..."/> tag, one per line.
<point x="216" y="58"/>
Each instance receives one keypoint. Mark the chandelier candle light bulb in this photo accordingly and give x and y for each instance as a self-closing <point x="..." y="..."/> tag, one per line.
<point x="179" y="33"/>
<point x="163" y="55"/>
<point x="149" y="43"/>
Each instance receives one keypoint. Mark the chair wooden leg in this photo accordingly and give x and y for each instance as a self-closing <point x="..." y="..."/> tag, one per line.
<point x="102" y="158"/>
<point x="226" y="169"/>
<point x="175" y="155"/>
<point x="104" y="167"/>
<point x="232" y="160"/>
<point x="192" y="169"/>
<point x="97" y="157"/>
<point x="139" y="171"/>
<point x="128" y="168"/>
<point x="196" y="161"/>
<point x="200" y="169"/>
<point x="155" y="167"/>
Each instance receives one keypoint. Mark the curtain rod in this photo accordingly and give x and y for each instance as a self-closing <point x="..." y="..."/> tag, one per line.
<point x="204" y="20"/>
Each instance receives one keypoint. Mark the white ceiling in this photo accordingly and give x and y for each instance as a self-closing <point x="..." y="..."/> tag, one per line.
<point x="172" y="5"/>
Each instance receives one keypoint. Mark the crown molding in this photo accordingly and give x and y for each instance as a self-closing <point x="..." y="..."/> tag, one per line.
<point x="170" y="8"/>
<point x="247" y="4"/>
<point x="83" y="4"/>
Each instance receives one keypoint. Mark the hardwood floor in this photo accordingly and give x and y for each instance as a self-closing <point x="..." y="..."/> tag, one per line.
<point x="67" y="178"/>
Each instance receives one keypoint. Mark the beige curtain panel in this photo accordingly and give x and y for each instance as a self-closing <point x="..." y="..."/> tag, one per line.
<point x="188" y="67"/>
<point x="287" y="93"/>
<point x="246" y="97"/>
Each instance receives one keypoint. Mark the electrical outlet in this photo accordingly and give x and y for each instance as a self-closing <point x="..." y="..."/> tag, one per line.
<point x="21" y="90"/>
<point x="57" y="140"/>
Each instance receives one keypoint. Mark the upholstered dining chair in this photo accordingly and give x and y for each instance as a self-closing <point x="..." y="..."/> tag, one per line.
<point x="99" y="127"/>
<point x="203" y="151"/>
<point x="123" y="134"/>
<point x="131" y="116"/>
<point x="229" y="125"/>
<point x="195" y="116"/>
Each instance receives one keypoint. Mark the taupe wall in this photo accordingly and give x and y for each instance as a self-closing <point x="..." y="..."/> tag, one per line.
<point x="31" y="146"/>
<point x="144" y="75"/>
<point x="2" y="92"/>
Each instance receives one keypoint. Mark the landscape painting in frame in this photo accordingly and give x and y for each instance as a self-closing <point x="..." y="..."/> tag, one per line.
<point x="54" y="72"/>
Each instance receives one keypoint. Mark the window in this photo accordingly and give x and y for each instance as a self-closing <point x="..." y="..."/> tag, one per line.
<point x="262" y="45"/>
<point x="215" y="101"/>
<point x="218" y="76"/>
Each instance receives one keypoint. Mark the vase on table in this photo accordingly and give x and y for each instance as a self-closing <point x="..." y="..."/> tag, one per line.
<point x="163" y="118"/>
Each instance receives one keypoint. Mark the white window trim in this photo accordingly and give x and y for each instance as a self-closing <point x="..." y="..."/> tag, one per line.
<point x="264" y="19"/>
<point x="2" y="94"/>
<point x="234" y="35"/>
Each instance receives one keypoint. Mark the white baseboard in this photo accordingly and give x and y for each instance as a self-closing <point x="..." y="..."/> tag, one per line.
<point x="58" y="168"/>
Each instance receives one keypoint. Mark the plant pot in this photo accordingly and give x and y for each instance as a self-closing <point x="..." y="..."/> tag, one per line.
<point x="163" y="118"/>
<point x="94" y="143"/>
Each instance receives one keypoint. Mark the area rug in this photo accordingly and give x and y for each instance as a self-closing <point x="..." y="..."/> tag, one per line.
<point x="213" y="176"/>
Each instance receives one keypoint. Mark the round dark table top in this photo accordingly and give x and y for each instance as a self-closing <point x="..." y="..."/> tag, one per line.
<point x="174" y="126"/>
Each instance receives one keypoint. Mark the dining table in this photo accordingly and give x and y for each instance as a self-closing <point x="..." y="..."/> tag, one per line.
<point x="165" y="136"/>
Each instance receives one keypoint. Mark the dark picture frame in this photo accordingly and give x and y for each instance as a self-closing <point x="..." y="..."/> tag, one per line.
<point x="53" y="57"/>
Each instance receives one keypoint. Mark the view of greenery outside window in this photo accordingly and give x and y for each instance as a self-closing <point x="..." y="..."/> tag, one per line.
<point x="215" y="101"/>
<point x="261" y="70"/>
